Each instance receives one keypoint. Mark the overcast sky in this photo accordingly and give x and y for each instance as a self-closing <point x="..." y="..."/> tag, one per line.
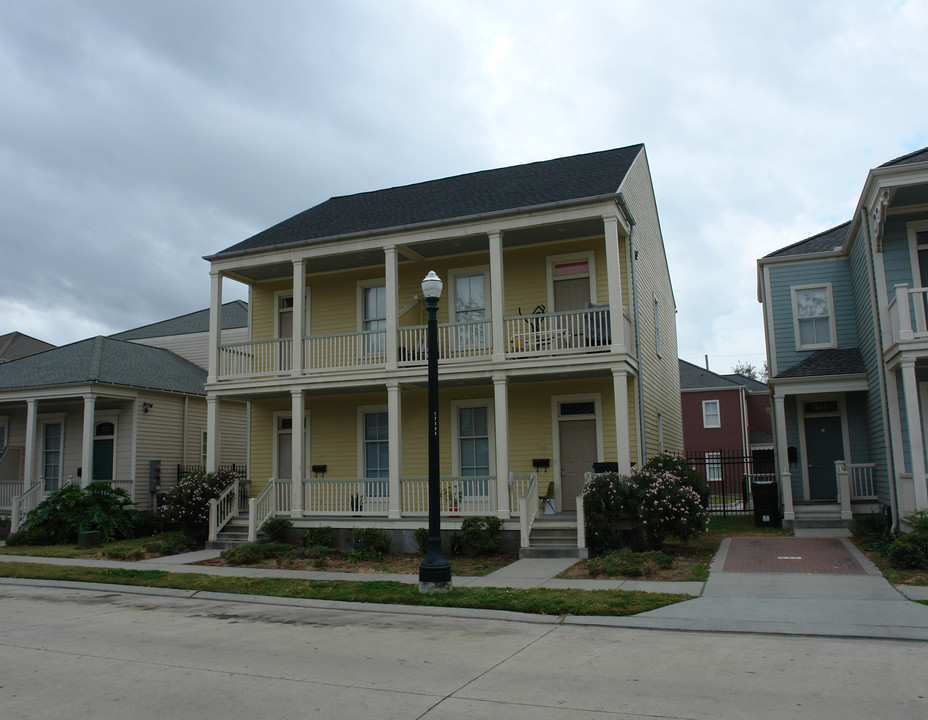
<point x="138" y="136"/>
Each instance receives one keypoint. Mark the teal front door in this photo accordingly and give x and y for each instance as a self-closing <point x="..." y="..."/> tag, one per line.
<point x="103" y="460"/>
<point x="824" y="445"/>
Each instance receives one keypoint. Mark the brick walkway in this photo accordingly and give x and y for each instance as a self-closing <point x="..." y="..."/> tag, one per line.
<point x="826" y="556"/>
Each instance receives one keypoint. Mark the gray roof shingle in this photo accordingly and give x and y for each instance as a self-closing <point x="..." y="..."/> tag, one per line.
<point x="693" y="377"/>
<point x="823" y="242"/>
<point x="912" y="157"/>
<point x="234" y="315"/>
<point x="569" y="179"/>
<point x="16" y="345"/>
<point x="107" y="361"/>
<point x="822" y="363"/>
<point x="751" y="384"/>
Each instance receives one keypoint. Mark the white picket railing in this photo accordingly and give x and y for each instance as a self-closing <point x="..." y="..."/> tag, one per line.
<point x="282" y="492"/>
<point x="8" y="490"/>
<point x="909" y="313"/>
<point x="518" y="485"/>
<point x="457" y="495"/>
<point x="862" y="487"/>
<point x="344" y="350"/>
<point x="346" y="496"/>
<point x="456" y="341"/>
<point x="223" y="509"/>
<point x="259" y="357"/>
<point x="528" y="511"/>
<point x="260" y="508"/>
<point x="22" y="504"/>
<point x="563" y="332"/>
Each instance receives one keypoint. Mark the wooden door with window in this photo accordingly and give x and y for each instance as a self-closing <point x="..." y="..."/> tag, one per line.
<point x="571" y="293"/>
<point x="578" y="453"/>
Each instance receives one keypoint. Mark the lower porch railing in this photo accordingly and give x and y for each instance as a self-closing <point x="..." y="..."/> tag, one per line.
<point x="8" y="490"/>
<point x="223" y="509"/>
<point x="260" y="508"/>
<point x="528" y="511"/>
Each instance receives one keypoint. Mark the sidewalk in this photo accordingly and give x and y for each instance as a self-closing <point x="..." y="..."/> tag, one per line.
<point x="787" y="586"/>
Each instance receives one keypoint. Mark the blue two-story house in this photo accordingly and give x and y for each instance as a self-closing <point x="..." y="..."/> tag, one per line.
<point x="847" y="347"/>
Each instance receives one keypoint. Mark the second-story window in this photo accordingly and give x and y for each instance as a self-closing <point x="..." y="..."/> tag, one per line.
<point x="711" y="417"/>
<point x="813" y="317"/>
<point x="374" y="318"/>
<point x="470" y="306"/>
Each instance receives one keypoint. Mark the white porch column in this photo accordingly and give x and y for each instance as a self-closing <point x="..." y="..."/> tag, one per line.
<point x="614" y="281"/>
<point x="215" y="324"/>
<point x="622" y="442"/>
<point x="32" y="422"/>
<point x="501" y="421"/>
<point x="395" y="447"/>
<point x="87" y="441"/>
<point x="299" y="321"/>
<point x="914" y="422"/>
<point x="786" y="484"/>
<point x="298" y="447"/>
<point x="498" y="324"/>
<point x="212" y="433"/>
<point x="392" y="292"/>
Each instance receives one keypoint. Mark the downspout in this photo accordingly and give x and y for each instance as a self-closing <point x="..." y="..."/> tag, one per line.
<point x="642" y="444"/>
<point x="878" y="332"/>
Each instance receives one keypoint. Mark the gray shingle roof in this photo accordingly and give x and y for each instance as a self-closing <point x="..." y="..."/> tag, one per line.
<point x="490" y="191"/>
<point x="750" y="383"/>
<point x="693" y="377"/>
<point x="913" y="157"/>
<point x="16" y="345"/>
<point x="107" y="361"/>
<point x="823" y="242"/>
<point x="234" y="315"/>
<point x="821" y="363"/>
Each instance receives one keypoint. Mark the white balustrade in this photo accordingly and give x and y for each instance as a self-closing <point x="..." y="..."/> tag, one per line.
<point x="909" y="313"/>
<point x="456" y="341"/>
<point x="558" y="333"/>
<point x="223" y="509"/>
<point x="457" y="495"/>
<point x="518" y="486"/>
<point x="259" y="357"/>
<point x="22" y="504"/>
<point x="861" y="478"/>
<point x="345" y="350"/>
<point x="528" y="511"/>
<point x="348" y="496"/>
<point x="260" y="508"/>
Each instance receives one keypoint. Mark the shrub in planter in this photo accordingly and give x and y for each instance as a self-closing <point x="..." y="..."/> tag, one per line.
<point x="421" y="536"/>
<point x="324" y="536"/>
<point x="186" y="505"/>
<point x="482" y="534"/>
<point x="372" y="540"/>
<point x="277" y="529"/>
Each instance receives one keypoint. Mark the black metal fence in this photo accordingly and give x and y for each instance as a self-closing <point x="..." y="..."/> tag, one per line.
<point x="183" y="470"/>
<point x="729" y="475"/>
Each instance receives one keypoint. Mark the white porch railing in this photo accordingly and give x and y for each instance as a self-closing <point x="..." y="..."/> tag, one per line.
<point x="554" y="333"/>
<point x="8" y="490"/>
<point x="456" y="342"/>
<point x="127" y="485"/>
<point x="22" y="504"/>
<point x="349" y="496"/>
<point x="528" y="511"/>
<point x="259" y="357"/>
<point x="908" y="312"/>
<point x="344" y="350"/>
<point x="282" y="493"/>
<point x="223" y="509"/>
<point x="518" y="486"/>
<point x="260" y="508"/>
<point x="457" y="495"/>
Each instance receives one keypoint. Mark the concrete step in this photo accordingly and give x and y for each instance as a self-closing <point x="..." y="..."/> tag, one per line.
<point x="550" y="552"/>
<point x="820" y="520"/>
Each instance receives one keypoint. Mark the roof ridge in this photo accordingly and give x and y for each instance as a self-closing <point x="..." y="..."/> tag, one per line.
<point x="96" y="358"/>
<point x="810" y="238"/>
<point x="903" y="157"/>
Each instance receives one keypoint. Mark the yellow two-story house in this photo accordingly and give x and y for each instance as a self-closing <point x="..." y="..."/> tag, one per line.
<point x="557" y="342"/>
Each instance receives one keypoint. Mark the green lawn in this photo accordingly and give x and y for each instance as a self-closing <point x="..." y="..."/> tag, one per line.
<point x="119" y="550"/>
<point x="533" y="600"/>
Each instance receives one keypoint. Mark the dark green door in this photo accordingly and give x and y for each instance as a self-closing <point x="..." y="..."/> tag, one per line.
<point x="824" y="445"/>
<point x="103" y="459"/>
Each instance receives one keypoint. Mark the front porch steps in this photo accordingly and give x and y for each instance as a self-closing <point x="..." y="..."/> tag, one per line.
<point x="554" y="537"/>
<point x="233" y="534"/>
<point x="819" y="515"/>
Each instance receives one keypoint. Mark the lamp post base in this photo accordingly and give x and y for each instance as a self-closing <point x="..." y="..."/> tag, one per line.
<point x="434" y="575"/>
<point x="434" y="588"/>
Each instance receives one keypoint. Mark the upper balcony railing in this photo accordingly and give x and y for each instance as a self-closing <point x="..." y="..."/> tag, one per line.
<point x="564" y="333"/>
<point x="908" y="314"/>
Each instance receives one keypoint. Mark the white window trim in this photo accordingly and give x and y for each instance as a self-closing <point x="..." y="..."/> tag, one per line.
<point x="713" y="460"/>
<point x="551" y="260"/>
<point x="453" y="276"/>
<point x="556" y="417"/>
<point x="362" y="411"/>
<point x="718" y="413"/>
<point x="455" y="442"/>
<point x="831" y="316"/>
<point x="49" y="420"/>
<point x="362" y="285"/>
<point x="912" y="230"/>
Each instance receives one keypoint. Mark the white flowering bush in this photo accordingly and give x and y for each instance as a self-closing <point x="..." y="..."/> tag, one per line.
<point x="186" y="506"/>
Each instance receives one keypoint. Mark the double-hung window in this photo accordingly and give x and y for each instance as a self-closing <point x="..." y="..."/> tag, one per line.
<point x="51" y="455"/>
<point x="373" y="319"/>
<point x="813" y="315"/>
<point x="376" y="445"/>
<point x="711" y="416"/>
<point x="470" y="306"/>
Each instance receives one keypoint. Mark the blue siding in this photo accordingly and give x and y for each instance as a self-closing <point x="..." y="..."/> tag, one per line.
<point x="783" y="277"/>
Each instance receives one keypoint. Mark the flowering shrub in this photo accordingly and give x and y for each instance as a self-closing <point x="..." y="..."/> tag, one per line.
<point x="187" y="504"/>
<point x="665" y="496"/>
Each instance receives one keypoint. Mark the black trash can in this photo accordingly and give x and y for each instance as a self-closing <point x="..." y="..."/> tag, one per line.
<point x="766" y="503"/>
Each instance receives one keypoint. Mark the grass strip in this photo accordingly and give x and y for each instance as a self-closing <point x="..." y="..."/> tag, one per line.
<point x="542" y="601"/>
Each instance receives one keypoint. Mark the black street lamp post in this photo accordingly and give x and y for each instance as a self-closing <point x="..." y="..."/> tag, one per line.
<point x="434" y="572"/>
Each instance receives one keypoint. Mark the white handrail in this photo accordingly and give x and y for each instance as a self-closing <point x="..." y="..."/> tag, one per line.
<point x="223" y="509"/>
<point x="581" y="524"/>
<point x="22" y="504"/>
<point x="528" y="511"/>
<point x="260" y="508"/>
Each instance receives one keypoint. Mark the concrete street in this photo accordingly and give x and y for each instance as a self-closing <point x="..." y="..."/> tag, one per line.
<point x="103" y="654"/>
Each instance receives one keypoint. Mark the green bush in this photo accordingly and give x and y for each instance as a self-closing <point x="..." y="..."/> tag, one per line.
<point x="72" y="509"/>
<point x="146" y="523"/>
<point x="421" y="536"/>
<point x="612" y="508"/>
<point x="186" y="505"/>
<point x="629" y="563"/>
<point x="324" y="535"/>
<point x="277" y="529"/>
<point x="909" y="551"/>
<point x="482" y="534"/>
<point x="457" y="544"/>
<point x="919" y="523"/>
<point x="255" y="553"/>
<point x="372" y="540"/>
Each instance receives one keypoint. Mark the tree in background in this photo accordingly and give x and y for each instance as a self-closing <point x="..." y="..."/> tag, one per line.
<point x="750" y="370"/>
